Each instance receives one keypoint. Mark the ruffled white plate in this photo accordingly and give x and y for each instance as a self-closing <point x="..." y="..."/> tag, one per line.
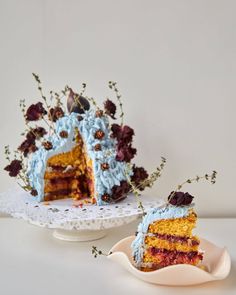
<point x="216" y="262"/>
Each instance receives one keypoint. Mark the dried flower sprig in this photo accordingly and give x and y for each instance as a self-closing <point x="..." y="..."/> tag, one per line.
<point x="113" y="85"/>
<point x="37" y="79"/>
<point x="92" y="100"/>
<point x="7" y="152"/>
<point x="148" y="182"/>
<point x="180" y="198"/>
<point x="83" y="89"/>
<point x="209" y="177"/>
<point x="96" y="252"/>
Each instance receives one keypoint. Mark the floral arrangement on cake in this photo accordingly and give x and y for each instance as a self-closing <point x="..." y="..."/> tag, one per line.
<point x="75" y="151"/>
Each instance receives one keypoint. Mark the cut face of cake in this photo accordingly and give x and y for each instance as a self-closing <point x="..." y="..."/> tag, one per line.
<point x="70" y="174"/>
<point x="164" y="238"/>
<point x="81" y="162"/>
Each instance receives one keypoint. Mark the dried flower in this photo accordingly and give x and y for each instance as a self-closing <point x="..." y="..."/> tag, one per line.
<point x="80" y="118"/>
<point x="63" y="134"/>
<point x="110" y="108"/>
<point x="14" y="168"/>
<point x="35" y="133"/>
<point x="125" y="153"/>
<point x="28" y="145"/>
<point x="47" y="145"/>
<point x="34" y="192"/>
<point x="39" y="132"/>
<point x="97" y="147"/>
<point x="123" y="134"/>
<point x="77" y="103"/>
<point x="55" y="113"/>
<point x="120" y="191"/>
<point x="35" y="112"/>
<point x="139" y="175"/>
<point x="106" y="198"/>
<point x="180" y="198"/>
<point x="113" y="85"/>
<point x="104" y="166"/>
<point x="99" y="134"/>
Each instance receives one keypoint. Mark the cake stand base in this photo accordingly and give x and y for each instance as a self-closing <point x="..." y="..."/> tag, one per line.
<point x="79" y="235"/>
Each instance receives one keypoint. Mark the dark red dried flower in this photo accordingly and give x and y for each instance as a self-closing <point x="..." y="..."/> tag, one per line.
<point x="14" y="168"/>
<point x="105" y="166"/>
<point x="35" y="112"/>
<point x="39" y="132"/>
<point x="180" y="198"/>
<point x="99" y="134"/>
<point x="47" y="145"/>
<point x="55" y="114"/>
<point x="110" y="108"/>
<point x="35" y="133"/>
<point x="97" y="147"/>
<point x="125" y="153"/>
<point x="120" y="191"/>
<point x="63" y="134"/>
<point x="122" y="134"/>
<point x="28" y="146"/>
<point x="139" y="175"/>
<point x="34" y="192"/>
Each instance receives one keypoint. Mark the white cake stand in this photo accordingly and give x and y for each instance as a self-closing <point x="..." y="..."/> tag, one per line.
<point x="69" y="223"/>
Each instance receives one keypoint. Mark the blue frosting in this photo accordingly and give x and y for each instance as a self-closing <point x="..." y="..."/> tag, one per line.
<point x="104" y="179"/>
<point x="166" y="212"/>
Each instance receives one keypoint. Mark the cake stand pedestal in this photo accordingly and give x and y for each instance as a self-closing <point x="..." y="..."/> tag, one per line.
<point x="70" y="223"/>
<point x="79" y="235"/>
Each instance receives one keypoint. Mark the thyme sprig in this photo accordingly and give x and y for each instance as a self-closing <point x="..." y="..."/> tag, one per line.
<point x="7" y="152"/>
<point x="113" y="85"/>
<point x="208" y="177"/>
<point x="96" y="252"/>
<point x="149" y="182"/>
<point x="83" y="89"/>
<point x="37" y="79"/>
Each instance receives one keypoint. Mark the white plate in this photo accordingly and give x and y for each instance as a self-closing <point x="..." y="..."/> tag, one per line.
<point x="216" y="260"/>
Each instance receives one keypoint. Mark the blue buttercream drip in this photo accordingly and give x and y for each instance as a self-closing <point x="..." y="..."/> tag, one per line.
<point x="104" y="179"/>
<point x="166" y="212"/>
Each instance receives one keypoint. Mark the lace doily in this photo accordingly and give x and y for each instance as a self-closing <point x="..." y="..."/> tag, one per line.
<point x="61" y="214"/>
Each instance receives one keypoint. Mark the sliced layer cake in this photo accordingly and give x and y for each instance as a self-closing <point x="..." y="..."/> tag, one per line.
<point x="165" y="238"/>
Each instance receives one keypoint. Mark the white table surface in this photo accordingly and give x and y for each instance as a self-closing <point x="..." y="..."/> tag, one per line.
<point x="33" y="262"/>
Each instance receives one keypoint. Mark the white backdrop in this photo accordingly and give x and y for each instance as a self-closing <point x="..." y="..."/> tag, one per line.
<point x="175" y="62"/>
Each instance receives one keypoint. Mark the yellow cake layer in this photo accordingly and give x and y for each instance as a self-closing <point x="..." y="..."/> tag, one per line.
<point x="179" y="226"/>
<point x="75" y="157"/>
<point x="165" y="244"/>
<point x="55" y="197"/>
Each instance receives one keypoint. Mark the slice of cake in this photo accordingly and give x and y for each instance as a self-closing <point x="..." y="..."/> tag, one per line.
<point x="165" y="237"/>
